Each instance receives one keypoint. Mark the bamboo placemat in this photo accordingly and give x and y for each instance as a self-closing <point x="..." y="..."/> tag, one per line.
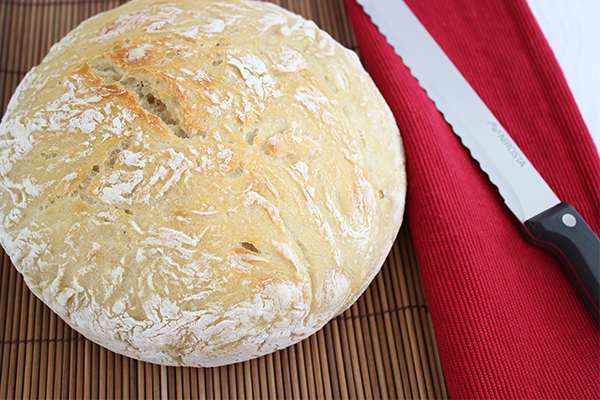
<point x="382" y="347"/>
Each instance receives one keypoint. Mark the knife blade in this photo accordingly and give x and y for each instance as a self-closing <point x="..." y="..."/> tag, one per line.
<point x="547" y="222"/>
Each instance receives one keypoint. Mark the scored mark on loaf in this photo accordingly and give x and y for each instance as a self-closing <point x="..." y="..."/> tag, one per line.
<point x="251" y="136"/>
<point x="149" y="101"/>
<point x="237" y="172"/>
<point x="148" y="98"/>
<point x="104" y="69"/>
<point x="114" y="155"/>
<point x="82" y="190"/>
<point x="250" y="247"/>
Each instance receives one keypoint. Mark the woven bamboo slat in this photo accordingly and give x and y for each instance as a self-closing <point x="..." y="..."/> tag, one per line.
<point x="382" y="347"/>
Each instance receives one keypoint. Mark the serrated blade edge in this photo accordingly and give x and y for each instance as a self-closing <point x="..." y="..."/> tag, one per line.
<point x="524" y="190"/>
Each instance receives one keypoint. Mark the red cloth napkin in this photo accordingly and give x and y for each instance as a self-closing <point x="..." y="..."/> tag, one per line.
<point x="508" y="322"/>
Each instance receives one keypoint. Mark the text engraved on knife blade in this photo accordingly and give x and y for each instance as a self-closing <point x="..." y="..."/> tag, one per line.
<point x="508" y="143"/>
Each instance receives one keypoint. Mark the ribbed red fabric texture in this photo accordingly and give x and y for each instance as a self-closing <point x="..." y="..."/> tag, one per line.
<point x="507" y="320"/>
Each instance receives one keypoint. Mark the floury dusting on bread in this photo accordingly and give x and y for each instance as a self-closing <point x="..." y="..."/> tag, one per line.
<point x="199" y="182"/>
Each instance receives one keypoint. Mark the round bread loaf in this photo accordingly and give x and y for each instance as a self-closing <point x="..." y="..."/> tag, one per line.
<point x="199" y="182"/>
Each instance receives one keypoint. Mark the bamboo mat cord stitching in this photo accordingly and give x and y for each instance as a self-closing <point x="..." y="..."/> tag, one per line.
<point x="381" y="347"/>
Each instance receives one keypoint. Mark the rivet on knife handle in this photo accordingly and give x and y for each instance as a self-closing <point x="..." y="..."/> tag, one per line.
<point x="525" y="192"/>
<point x="565" y="233"/>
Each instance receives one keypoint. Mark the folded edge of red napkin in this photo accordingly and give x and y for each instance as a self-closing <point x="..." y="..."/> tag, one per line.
<point x="507" y="320"/>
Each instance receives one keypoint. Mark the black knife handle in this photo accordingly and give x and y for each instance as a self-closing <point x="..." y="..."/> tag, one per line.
<point x="565" y="233"/>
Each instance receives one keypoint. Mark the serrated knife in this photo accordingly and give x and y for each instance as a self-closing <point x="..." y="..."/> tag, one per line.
<point x="547" y="222"/>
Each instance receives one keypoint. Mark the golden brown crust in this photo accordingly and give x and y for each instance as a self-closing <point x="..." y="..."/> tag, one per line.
<point x="199" y="182"/>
